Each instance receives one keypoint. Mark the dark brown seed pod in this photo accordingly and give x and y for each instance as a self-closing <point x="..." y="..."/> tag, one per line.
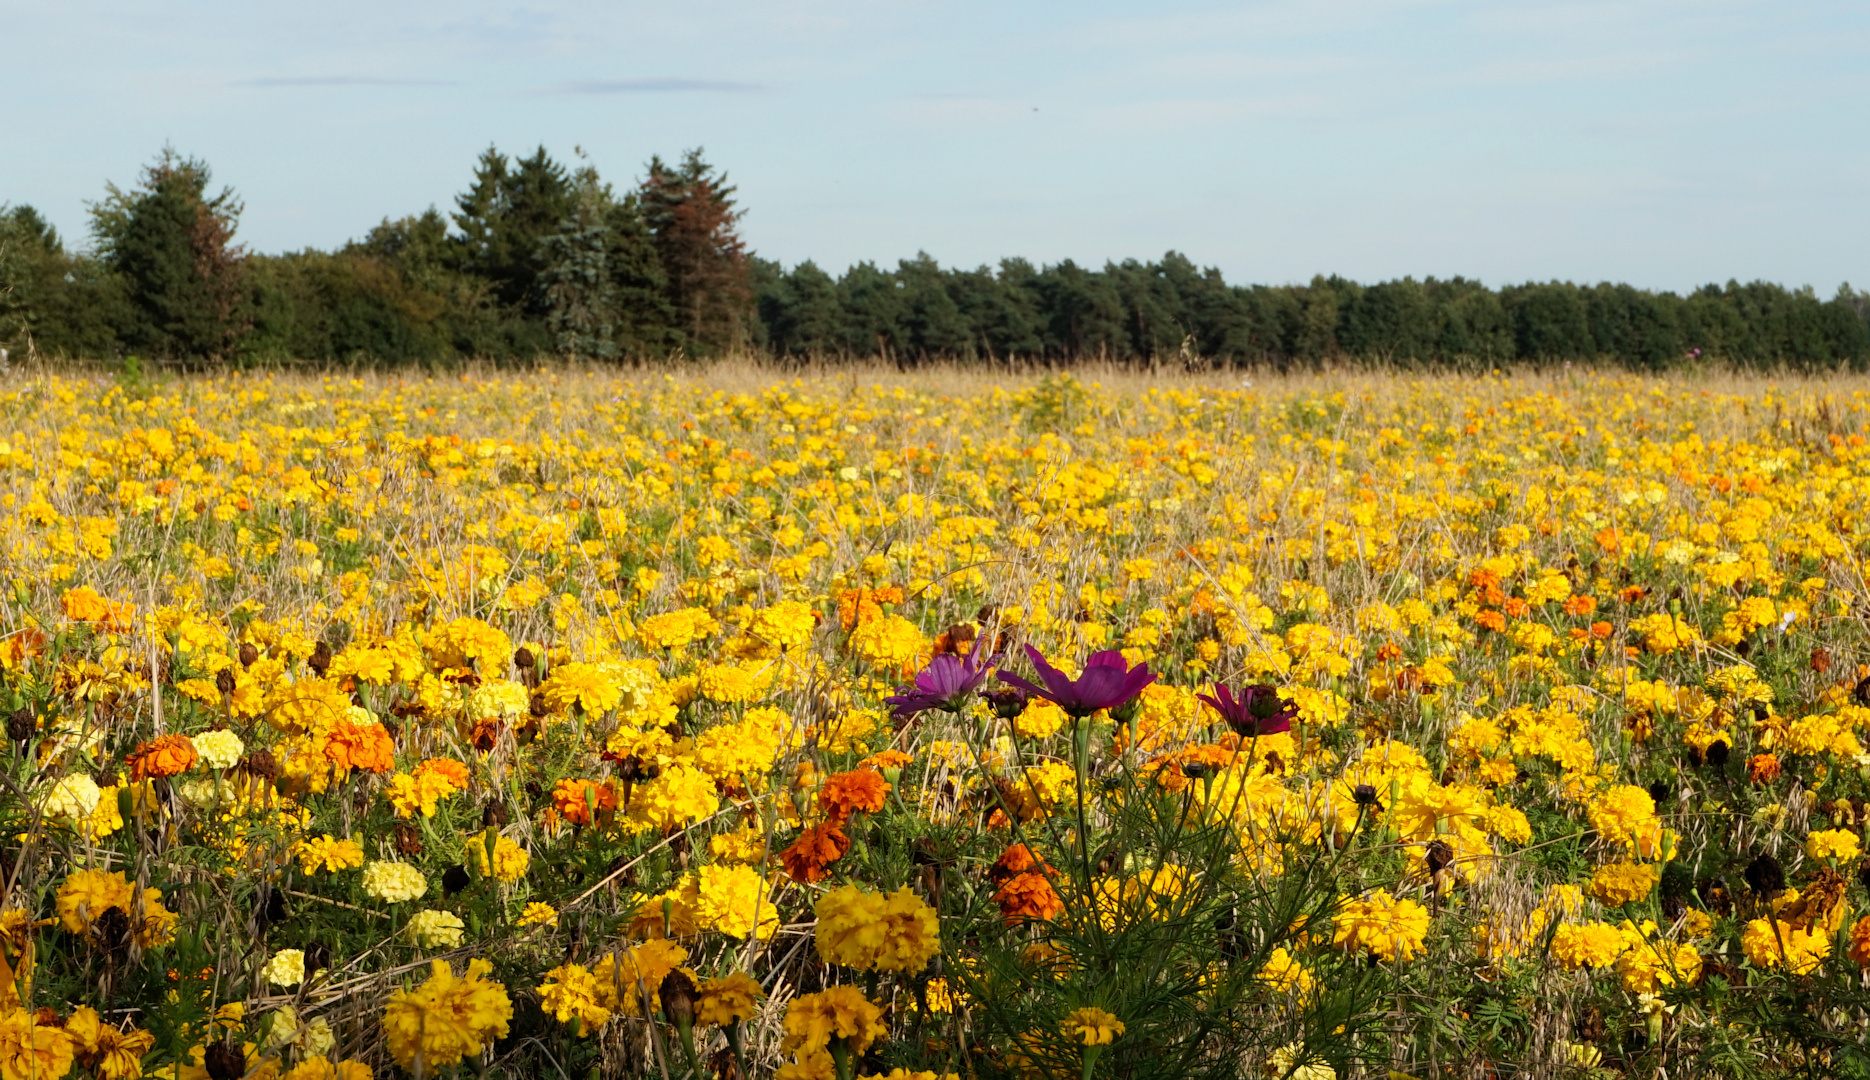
<point x="678" y="997"/>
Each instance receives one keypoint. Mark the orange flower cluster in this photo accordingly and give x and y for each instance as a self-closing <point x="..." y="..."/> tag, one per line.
<point x="1024" y="893"/>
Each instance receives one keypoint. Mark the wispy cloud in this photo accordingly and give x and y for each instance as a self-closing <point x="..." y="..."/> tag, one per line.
<point x="657" y="86"/>
<point x="340" y="80"/>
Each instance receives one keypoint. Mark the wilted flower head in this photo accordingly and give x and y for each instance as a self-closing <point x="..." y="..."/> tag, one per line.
<point x="1107" y="682"/>
<point x="1259" y="710"/>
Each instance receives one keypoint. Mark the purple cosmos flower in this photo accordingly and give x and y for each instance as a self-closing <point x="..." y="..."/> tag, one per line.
<point x="945" y="684"/>
<point x="1108" y="682"/>
<point x="1259" y="710"/>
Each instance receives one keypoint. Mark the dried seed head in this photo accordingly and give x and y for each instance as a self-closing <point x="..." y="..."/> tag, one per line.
<point x="678" y="998"/>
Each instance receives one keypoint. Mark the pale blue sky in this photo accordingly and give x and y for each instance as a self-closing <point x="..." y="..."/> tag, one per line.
<point x="1659" y="142"/>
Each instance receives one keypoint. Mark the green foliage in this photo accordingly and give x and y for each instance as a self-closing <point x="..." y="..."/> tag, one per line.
<point x="172" y="245"/>
<point x="604" y="287"/>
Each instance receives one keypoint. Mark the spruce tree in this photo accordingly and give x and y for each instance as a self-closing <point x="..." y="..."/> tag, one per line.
<point x="689" y="209"/>
<point x="602" y="282"/>
<point x="172" y="246"/>
<point x="504" y="219"/>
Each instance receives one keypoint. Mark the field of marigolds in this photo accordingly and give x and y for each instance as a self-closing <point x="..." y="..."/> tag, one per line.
<point x="563" y="724"/>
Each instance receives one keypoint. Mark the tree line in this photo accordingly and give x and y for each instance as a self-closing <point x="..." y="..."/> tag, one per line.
<point x="540" y="259"/>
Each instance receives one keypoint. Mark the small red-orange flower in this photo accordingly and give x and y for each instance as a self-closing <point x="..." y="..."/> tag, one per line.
<point x="1763" y="768"/>
<point x="815" y="849"/>
<point x="848" y="792"/>
<point x="165" y="756"/>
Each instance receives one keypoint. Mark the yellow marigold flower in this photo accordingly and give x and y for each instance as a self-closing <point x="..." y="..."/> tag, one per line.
<point x="1092" y="1026"/>
<point x="1428" y="810"/>
<point x="874" y="932"/>
<point x="682" y="795"/>
<point x="85" y="895"/>
<point x="537" y="914"/>
<point x="842" y="1012"/>
<point x="1286" y="975"/>
<point x="330" y="854"/>
<point x="72" y="799"/>
<point x="572" y="995"/>
<point x="469" y="642"/>
<point x="30" y="1050"/>
<point x="431" y="929"/>
<point x="219" y="749"/>
<point x="675" y="629"/>
<point x="1617" y="884"/>
<point x="787" y="624"/>
<point x="733" y="900"/>
<point x="1594" y="945"/>
<point x="393" y="882"/>
<point x="286" y="968"/>
<point x="623" y="978"/>
<point x="590" y="687"/>
<point x="320" y="1068"/>
<point x="729" y="999"/>
<point x="1387" y="927"/>
<point x="496" y="699"/>
<point x="1837" y="845"/>
<point x="1651" y="965"/>
<point x="892" y="642"/>
<point x="446" y="1018"/>
<point x="1624" y="815"/>
<point x="1778" y="944"/>
<point x="510" y="861"/>
<point x="417" y="793"/>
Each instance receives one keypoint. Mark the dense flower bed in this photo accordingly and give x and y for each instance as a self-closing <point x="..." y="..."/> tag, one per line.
<point x="566" y="724"/>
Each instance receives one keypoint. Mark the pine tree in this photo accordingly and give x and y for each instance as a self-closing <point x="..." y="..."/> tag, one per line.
<point x="172" y="245"/>
<point x="690" y="212"/>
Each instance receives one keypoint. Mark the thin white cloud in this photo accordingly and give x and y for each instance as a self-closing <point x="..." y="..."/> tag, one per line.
<point x="339" y="80"/>
<point x="657" y="86"/>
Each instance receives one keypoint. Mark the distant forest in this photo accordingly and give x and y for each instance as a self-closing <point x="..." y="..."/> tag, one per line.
<point x="538" y="259"/>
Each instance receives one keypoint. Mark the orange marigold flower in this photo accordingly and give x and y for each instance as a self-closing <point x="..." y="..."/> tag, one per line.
<point x="1028" y="896"/>
<point x="447" y="768"/>
<point x="1515" y="607"/>
<point x="1763" y="768"/>
<point x="1016" y="860"/>
<point x="165" y="756"/>
<point x="1860" y="942"/>
<point x="1580" y="604"/>
<point x="574" y="805"/>
<point x="1602" y="630"/>
<point x="847" y="792"/>
<point x="816" y="848"/>
<point x="886" y="759"/>
<point x="85" y="605"/>
<point x="366" y="747"/>
<point x="1491" y="619"/>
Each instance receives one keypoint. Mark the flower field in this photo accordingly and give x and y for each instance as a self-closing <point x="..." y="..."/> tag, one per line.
<point x="726" y="725"/>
